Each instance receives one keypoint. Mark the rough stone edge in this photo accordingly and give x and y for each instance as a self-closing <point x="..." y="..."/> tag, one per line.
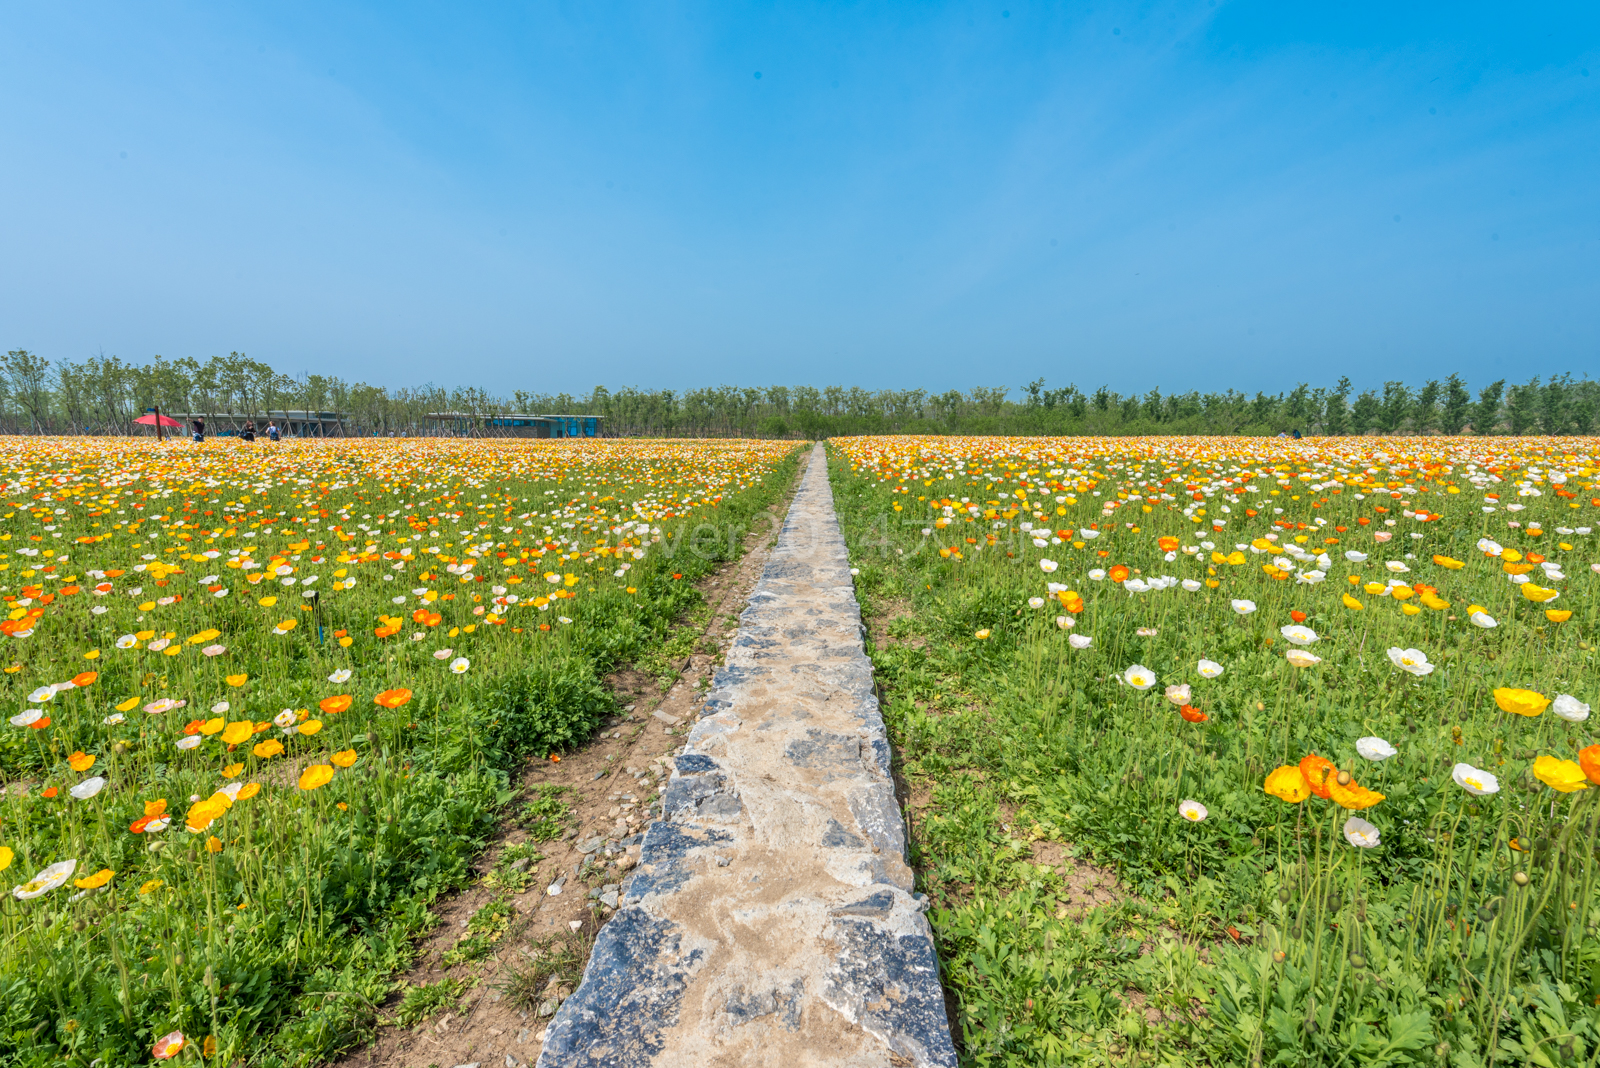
<point x="886" y="977"/>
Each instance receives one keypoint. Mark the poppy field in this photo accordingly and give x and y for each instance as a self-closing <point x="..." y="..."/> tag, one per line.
<point x="264" y="704"/>
<point x="1245" y="751"/>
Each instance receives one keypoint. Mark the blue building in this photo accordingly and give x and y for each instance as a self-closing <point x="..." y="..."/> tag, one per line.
<point x="515" y="425"/>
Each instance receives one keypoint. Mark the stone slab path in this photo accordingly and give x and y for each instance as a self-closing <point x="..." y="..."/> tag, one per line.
<point x="771" y="920"/>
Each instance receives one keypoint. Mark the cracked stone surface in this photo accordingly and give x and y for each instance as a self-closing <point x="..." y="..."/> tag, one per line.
<point x="772" y="918"/>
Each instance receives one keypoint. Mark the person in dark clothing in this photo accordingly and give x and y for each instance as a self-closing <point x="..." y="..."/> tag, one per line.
<point x="199" y="430"/>
<point x="249" y="430"/>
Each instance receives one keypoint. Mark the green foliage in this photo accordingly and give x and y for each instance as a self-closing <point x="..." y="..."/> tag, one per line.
<point x="1258" y="936"/>
<point x="422" y="1000"/>
<point x="545" y="815"/>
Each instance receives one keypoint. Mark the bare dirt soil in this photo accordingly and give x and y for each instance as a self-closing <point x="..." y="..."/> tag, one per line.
<point x="493" y="1012"/>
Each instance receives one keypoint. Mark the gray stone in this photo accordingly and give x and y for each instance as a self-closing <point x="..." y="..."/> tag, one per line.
<point x="591" y="845"/>
<point x="771" y="918"/>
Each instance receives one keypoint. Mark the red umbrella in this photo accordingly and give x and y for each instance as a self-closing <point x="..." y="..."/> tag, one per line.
<point x="149" y="419"/>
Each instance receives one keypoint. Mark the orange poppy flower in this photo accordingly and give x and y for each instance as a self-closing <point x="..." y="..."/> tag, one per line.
<point x="336" y="704"/>
<point x="1193" y="714"/>
<point x="85" y="678"/>
<point x="1298" y="616"/>
<point x="1118" y="572"/>
<point x="1318" y="770"/>
<point x="1168" y="544"/>
<point x="1589" y="760"/>
<point x="393" y="698"/>
<point x="1352" y="796"/>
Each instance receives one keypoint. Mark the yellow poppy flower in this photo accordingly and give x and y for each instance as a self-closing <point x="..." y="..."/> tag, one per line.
<point x="1289" y="784"/>
<point x="91" y="882"/>
<point x="1563" y="775"/>
<point x="1522" y="702"/>
<point x="316" y="776"/>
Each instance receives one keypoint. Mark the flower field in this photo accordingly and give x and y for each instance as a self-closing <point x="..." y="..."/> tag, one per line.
<point x="1246" y="751"/>
<point x="264" y="703"/>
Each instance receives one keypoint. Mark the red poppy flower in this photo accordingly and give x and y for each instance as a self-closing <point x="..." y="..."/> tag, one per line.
<point x="51" y="791"/>
<point x="1298" y="616"/>
<point x="1193" y="714"/>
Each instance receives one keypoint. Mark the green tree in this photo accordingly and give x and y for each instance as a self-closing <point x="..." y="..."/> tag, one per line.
<point x="1457" y="405"/>
<point x="28" y="376"/>
<point x="1336" y="411"/>
<point x="1425" y="412"/>
<point x="1486" y="413"/>
<point x="1394" y="408"/>
<point x="1365" y="412"/>
<point x="1522" y="407"/>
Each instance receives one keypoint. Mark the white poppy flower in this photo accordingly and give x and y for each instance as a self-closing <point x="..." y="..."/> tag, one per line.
<point x="156" y="826"/>
<point x="460" y="664"/>
<point x="286" y="718"/>
<point x="1098" y="574"/>
<point x="1310" y="578"/>
<point x="1302" y="658"/>
<point x="1355" y="557"/>
<point x="127" y="641"/>
<point x="27" y="717"/>
<point x="342" y="675"/>
<point x="1191" y="584"/>
<point x="1193" y="811"/>
<point x="1358" y="832"/>
<point x="1484" y="620"/>
<point x="1397" y="567"/>
<point x="1139" y="677"/>
<point x="1299" y="635"/>
<point x="46" y="881"/>
<point x="1414" y="661"/>
<point x="189" y="742"/>
<point x="1080" y="641"/>
<point x="1047" y="565"/>
<point x="1035" y="602"/>
<point x="113" y="719"/>
<point x="42" y="694"/>
<point x="1374" y="748"/>
<point x="1242" y="606"/>
<point x="1178" y="694"/>
<point x="1475" y="780"/>
<point x="1570" y="708"/>
<point x="1065" y="622"/>
<point x="88" y="788"/>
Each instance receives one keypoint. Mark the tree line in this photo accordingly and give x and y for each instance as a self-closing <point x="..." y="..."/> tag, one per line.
<point x="104" y="394"/>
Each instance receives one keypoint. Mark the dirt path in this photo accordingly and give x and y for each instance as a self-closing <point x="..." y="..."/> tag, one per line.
<point x="492" y="1012"/>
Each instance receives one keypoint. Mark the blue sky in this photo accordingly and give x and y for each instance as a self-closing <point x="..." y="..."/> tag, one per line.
<point x="1188" y="195"/>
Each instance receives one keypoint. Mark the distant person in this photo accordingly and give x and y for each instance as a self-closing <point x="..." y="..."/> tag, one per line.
<point x="272" y="431"/>
<point x="199" y="430"/>
<point x="1297" y="435"/>
<point x="249" y="430"/>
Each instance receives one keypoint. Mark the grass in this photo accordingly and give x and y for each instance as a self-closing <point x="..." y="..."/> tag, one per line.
<point x="1258" y="934"/>
<point x="349" y="753"/>
<point x="547" y="815"/>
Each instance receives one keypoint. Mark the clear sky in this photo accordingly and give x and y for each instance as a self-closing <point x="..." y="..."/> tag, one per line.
<point x="547" y="196"/>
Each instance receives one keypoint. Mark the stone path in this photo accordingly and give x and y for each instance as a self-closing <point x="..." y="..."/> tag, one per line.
<point x="771" y="919"/>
